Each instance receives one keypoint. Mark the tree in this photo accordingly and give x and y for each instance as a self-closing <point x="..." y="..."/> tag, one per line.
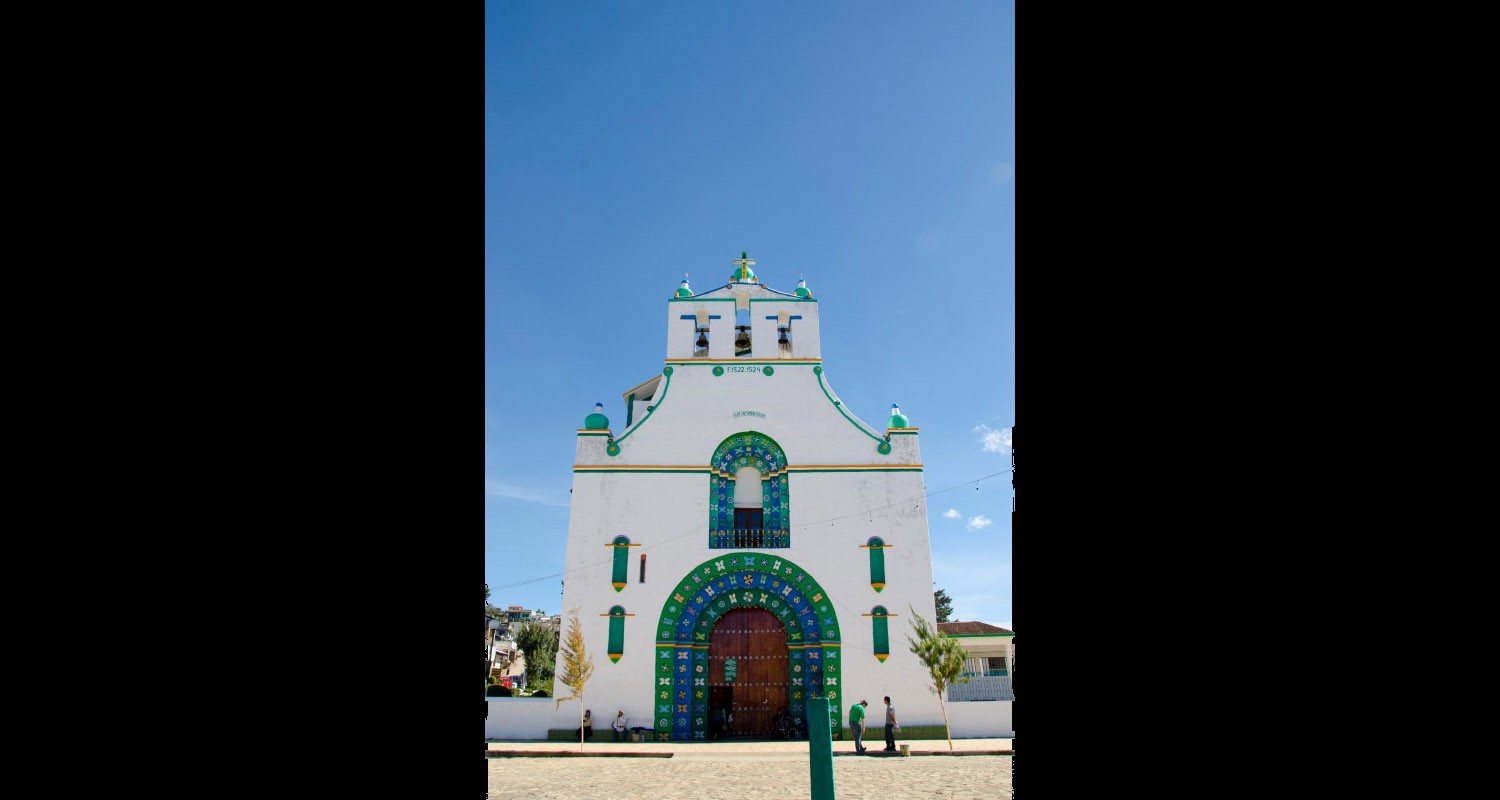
<point x="944" y="659"/>
<point x="577" y="668"/>
<point x="538" y="644"/>
<point x="944" y="605"/>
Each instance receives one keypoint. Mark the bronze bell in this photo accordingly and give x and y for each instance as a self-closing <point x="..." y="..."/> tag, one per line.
<point x="702" y="340"/>
<point x="742" y="339"/>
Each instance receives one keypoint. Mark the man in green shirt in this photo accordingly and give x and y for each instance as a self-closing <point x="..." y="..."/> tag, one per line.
<point x="857" y="724"/>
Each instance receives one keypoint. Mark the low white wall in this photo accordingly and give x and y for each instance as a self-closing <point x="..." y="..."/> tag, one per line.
<point x="531" y="717"/>
<point x="980" y="719"/>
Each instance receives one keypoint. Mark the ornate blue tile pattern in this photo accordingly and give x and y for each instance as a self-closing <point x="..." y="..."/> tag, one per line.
<point x="741" y="580"/>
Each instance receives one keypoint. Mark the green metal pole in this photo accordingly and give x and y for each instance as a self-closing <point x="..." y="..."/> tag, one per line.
<point x="820" y="748"/>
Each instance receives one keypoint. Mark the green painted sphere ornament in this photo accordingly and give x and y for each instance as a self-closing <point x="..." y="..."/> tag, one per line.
<point x="597" y="421"/>
<point x="898" y="420"/>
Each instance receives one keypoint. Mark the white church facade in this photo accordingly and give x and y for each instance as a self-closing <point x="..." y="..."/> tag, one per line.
<point x="744" y="542"/>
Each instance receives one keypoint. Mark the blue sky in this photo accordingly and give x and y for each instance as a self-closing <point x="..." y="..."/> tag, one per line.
<point x="868" y="145"/>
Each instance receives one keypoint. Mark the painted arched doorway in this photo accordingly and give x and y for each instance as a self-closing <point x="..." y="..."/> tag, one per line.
<point x="686" y="633"/>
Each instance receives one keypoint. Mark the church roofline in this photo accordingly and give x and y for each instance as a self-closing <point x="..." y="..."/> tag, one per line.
<point x="703" y="298"/>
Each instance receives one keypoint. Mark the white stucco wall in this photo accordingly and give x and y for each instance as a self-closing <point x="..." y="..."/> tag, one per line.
<point x="531" y="717"/>
<point x="841" y="493"/>
<point x="980" y="720"/>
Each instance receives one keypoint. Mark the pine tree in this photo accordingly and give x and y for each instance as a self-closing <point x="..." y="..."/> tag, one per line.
<point x="944" y="605"/>
<point x="944" y="659"/>
<point x="577" y="668"/>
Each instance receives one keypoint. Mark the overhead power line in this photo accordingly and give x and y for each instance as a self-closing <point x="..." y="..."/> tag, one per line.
<point x="695" y="530"/>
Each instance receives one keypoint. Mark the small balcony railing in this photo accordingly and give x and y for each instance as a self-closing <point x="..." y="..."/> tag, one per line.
<point x="753" y="538"/>
<point x="982" y="687"/>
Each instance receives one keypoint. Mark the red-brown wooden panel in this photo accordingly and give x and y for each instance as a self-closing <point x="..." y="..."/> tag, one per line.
<point x="756" y="640"/>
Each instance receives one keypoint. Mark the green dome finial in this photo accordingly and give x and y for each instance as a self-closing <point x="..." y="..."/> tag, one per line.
<point x="802" y="287"/>
<point x="898" y="420"/>
<point x="683" y="290"/>
<point x="742" y="271"/>
<point x="596" y="421"/>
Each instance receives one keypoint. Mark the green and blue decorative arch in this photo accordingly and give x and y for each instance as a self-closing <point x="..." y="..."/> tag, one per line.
<point x="742" y="580"/>
<point x="749" y="449"/>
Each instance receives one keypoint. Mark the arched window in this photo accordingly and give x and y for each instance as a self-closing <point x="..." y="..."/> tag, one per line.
<point x="748" y="503"/>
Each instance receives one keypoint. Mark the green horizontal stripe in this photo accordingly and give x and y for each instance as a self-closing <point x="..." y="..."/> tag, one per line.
<point x="880" y="469"/>
<point x="644" y="471"/>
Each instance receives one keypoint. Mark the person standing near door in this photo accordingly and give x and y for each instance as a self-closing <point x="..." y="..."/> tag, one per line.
<point x="891" y="726"/>
<point x="857" y="724"/>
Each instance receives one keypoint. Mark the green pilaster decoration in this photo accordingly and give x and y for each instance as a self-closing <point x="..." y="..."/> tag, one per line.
<point x="877" y="548"/>
<point x="621" y="575"/>
<point x="820" y="748"/>
<point x="878" y="617"/>
<point x="617" y="617"/>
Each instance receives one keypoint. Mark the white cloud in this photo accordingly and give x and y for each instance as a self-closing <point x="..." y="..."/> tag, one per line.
<point x="952" y="513"/>
<point x="993" y="440"/>
<point x="498" y="489"/>
<point x="981" y="521"/>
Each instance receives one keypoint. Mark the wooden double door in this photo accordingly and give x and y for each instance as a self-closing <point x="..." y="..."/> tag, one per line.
<point x="748" y="674"/>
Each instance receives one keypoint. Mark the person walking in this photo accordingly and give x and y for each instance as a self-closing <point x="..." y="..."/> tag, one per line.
<point x="619" y="726"/>
<point x="891" y="726"/>
<point x="857" y="724"/>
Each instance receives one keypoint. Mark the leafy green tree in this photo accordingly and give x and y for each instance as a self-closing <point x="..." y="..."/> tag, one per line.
<point x="538" y="644"/>
<point x="577" y="668"/>
<point x="944" y="659"/>
<point x="944" y="605"/>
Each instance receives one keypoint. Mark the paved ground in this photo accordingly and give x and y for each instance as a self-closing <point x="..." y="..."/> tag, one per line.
<point x="747" y="771"/>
